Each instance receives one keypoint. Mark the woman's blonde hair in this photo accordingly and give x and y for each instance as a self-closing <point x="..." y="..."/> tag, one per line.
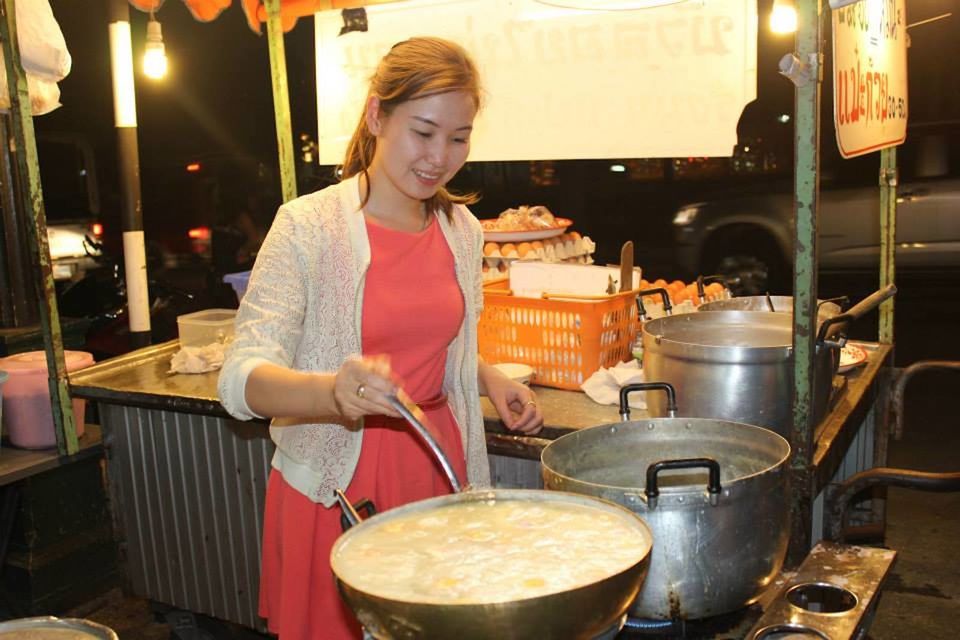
<point x="414" y="68"/>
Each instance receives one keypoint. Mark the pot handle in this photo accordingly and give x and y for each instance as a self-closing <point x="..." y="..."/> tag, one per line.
<point x="626" y="390"/>
<point x="663" y="293"/>
<point x="351" y="513"/>
<point x="652" y="491"/>
<point x="702" y="280"/>
<point x="859" y="310"/>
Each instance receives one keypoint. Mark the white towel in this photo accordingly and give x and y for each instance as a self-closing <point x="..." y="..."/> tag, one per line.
<point x="198" y="359"/>
<point x="603" y="387"/>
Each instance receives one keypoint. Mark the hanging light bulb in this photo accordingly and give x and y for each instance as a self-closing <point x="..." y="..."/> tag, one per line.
<point x="154" y="56"/>
<point x="783" y="17"/>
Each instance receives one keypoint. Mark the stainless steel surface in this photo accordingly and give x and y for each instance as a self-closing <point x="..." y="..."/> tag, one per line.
<point x="583" y="612"/>
<point x="781" y="304"/>
<point x="190" y="492"/>
<point x="707" y="559"/>
<point x="732" y="365"/>
<point x="417" y="419"/>
<point x="55" y="629"/>
<point x="837" y="570"/>
<point x="142" y="378"/>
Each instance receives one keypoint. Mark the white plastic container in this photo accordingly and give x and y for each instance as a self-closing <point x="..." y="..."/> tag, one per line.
<point x="27" y="412"/>
<point x="205" y="327"/>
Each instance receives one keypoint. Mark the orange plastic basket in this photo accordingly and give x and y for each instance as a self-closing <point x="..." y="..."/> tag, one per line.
<point x="564" y="340"/>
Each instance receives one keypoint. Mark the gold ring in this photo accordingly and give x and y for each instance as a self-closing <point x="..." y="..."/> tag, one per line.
<point x="361" y="390"/>
<point x="533" y="402"/>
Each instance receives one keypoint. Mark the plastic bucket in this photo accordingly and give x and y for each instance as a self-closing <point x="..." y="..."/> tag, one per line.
<point x="28" y="415"/>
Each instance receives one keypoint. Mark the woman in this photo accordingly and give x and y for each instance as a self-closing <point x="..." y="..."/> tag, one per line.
<point x="361" y="290"/>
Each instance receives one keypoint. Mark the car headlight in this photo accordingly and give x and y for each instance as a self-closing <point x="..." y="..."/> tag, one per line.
<point x="685" y="216"/>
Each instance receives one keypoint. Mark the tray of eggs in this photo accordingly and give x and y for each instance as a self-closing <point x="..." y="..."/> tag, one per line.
<point x="567" y="247"/>
<point x="683" y="297"/>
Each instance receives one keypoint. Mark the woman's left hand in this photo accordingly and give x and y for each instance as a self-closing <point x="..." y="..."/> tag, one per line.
<point x="515" y="403"/>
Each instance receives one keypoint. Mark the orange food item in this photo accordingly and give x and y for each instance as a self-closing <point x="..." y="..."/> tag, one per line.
<point x="659" y="283"/>
<point x="491" y="249"/>
<point x="508" y="249"/>
<point x="575" y="236"/>
<point x="525" y="250"/>
<point x="676" y="285"/>
<point x="715" y="288"/>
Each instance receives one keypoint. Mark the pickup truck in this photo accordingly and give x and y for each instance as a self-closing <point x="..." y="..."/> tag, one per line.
<point x="749" y="235"/>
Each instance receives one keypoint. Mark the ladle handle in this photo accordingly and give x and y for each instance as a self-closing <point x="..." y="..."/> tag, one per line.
<point x="349" y="517"/>
<point x="414" y="415"/>
<point x="860" y="309"/>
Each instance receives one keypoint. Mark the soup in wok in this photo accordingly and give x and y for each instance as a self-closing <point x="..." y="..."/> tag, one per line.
<point x="489" y="551"/>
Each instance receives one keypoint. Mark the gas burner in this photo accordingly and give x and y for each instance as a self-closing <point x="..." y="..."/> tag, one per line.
<point x="729" y="625"/>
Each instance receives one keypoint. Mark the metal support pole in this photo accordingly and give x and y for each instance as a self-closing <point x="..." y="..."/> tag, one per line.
<point x="888" y="236"/>
<point x="806" y="203"/>
<point x="28" y="166"/>
<point x="19" y="308"/>
<point x="281" y="100"/>
<point x="125" y="121"/>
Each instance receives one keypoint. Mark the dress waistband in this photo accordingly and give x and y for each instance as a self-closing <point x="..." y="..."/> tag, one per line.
<point x="435" y="402"/>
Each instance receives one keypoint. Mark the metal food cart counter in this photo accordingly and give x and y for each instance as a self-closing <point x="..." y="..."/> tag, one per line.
<point x="188" y="482"/>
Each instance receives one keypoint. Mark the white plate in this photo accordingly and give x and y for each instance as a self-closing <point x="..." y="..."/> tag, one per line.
<point x="520" y="236"/>
<point x="516" y="371"/>
<point x="851" y="356"/>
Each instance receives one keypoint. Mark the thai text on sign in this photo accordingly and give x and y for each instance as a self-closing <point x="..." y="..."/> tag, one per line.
<point x="870" y="76"/>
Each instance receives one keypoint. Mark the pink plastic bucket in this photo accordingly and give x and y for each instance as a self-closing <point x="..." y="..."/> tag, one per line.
<point x="27" y="414"/>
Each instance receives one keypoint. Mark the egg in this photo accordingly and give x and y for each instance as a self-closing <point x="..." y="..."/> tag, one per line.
<point x="508" y="250"/>
<point x="491" y="250"/>
<point x="537" y="248"/>
<point x="525" y="251"/>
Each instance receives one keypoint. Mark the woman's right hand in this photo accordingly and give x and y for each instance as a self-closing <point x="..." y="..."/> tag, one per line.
<point x="361" y="387"/>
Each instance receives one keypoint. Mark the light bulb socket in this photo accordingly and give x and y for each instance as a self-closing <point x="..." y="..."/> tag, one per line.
<point x="154" y="34"/>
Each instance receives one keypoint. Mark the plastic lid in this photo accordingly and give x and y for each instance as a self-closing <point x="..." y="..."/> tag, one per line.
<point x="36" y="361"/>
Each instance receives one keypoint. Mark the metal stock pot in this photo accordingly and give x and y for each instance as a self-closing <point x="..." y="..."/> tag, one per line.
<point x="584" y="612"/>
<point x="713" y="493"/>
<point x="738" y="365"/>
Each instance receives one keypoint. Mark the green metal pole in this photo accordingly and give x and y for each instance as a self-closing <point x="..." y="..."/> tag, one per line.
<point x="888" y="236"/>
<point x="29" y="168"/>
<point x="281" y="100"/>
<point x="806" y="203"/>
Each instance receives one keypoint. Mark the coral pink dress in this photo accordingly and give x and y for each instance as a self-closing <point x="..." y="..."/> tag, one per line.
<point x="412" y="311"/>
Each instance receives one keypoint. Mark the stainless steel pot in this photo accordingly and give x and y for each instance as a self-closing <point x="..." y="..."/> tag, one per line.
<point x="738" y="365"/>
<point x="713" y="492"/>
<point x="583" y="612"/>
<point x="778" y="304"/>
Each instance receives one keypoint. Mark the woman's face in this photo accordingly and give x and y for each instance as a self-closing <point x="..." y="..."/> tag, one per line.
<point x="421" y="145"/>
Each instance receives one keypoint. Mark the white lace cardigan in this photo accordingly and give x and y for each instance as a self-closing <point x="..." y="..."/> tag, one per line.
<point x="302" y="310"/>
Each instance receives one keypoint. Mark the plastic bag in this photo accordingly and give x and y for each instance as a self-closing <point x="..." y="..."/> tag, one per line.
<point x="43" y="53"/>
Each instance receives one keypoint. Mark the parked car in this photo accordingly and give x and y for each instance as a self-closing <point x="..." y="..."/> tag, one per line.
<point x="72" y="204"/>
<point x="749" y="234"/>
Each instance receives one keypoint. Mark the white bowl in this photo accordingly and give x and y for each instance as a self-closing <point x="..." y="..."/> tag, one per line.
<point x="516" y="371"/>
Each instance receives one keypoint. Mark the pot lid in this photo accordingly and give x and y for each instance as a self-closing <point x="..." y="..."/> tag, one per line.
<point x="36" y="361"/>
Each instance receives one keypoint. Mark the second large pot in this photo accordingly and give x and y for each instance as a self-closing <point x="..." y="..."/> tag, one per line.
<point x="732" y="365"/>
<point x="712" y="492"/>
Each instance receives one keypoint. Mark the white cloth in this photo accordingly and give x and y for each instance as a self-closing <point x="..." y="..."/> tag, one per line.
<point x="303" y="310"/>
<point x="603" y="387"/>
<point x="198" y="359"/>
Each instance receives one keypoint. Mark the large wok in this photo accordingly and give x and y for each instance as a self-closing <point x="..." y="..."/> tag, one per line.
<point x="582" y="612"/>
<point x="738" y="365"/>
<point x="712" y="491"/>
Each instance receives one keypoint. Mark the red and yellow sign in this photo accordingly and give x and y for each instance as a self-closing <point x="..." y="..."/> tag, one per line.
<point x="870" y="76"/>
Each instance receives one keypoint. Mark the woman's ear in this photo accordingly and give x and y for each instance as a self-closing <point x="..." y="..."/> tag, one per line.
<point x="373" y="115"/>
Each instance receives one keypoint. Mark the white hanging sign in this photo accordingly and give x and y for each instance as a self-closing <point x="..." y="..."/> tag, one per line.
<point x="870" y="76"/>
<point x="563" y="83"/>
